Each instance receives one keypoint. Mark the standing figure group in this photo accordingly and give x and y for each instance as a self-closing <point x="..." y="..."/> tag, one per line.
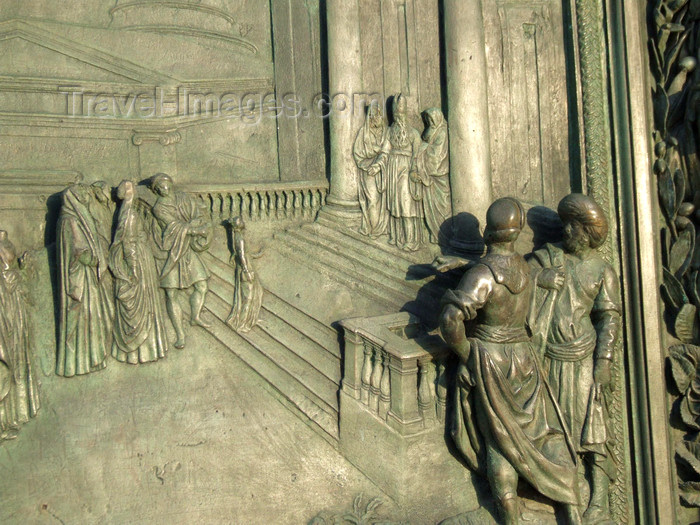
<point x="404" y="185"/>
<point x="535" y="367"/>
<point x="110" y="289"/>
<point x="19" y="388"/>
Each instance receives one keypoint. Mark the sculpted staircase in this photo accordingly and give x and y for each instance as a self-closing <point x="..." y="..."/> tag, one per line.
<point x="395" y="279"/>
<point x="298" y="356"/>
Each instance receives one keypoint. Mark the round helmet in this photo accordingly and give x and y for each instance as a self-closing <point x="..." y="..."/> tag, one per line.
<point x="505" y="219"/>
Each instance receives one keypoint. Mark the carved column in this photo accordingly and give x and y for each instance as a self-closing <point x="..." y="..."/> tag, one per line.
<point x="345" y="80"/>
<point x="468" y="117"/>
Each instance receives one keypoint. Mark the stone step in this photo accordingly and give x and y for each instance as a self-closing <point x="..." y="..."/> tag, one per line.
<point x="420" y="290"/>
<point x="310" y="391"/>
<point x="375" y="261"/>
<point x="380" y="244"/>
<point x="285" y="387"/>
<point x="287" y="358"/>
<point x="318" y="358"/>
<point x="323" y="335"/>
<point x="337" y="268"/>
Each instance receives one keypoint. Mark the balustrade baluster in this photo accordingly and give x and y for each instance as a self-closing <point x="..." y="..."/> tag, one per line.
<point x="278" y="205"/>
<point x="254" y="205"/>
<point x="366" y="373"/>
<point x="375" y="381"/>
<point x="220" y="205"/>
<point x="297" y="203"/>
<point x="441" y="390"/>
<point x="208" y="201"/>
<point x="228" y="205"/>
<point x="312" y="205"/>
<point x="288" y="204"/>
<point x="425" y="390"/>
<point x="304" y="203"/>
<point x="237" y="202"/>
<point x="269" y="204"/>
<point x="384" y="388"/>
<point x="245" y="204"/>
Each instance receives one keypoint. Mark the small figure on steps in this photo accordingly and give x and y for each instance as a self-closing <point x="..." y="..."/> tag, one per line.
<point x="248" y="295"/>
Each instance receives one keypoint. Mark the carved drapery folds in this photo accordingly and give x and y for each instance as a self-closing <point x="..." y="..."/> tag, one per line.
<point x="403" y="177"/>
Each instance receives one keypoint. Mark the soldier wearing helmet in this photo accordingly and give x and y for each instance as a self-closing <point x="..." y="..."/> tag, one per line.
<point x="507" y="424"/>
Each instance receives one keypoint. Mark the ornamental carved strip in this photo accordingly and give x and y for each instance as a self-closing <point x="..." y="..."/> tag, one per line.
<point x="600" y="185"/>
<point x="674" y="44"/>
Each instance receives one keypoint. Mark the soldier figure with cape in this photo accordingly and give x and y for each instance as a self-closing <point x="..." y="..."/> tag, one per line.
<point x="507" y="424"/>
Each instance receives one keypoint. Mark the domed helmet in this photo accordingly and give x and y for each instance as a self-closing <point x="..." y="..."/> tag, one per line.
<point x="505" y="219"/>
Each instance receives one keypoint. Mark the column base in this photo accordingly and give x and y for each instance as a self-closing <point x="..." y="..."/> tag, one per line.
<point x="341" y="211"/>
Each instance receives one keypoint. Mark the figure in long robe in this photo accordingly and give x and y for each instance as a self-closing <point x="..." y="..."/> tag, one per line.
<point x="139" y="322"/>
<point x="102" y="211"/>
<point x="248" y="293"/>
<point x="506" y="423"/>
<point x="432" y="170"/>
<point x="581" y="301"/>
<point x="371" y="188"/>
<point x="184" y="233"/>
<point x="394" y="163"/>
<point x="19" y="393"/>
<point x="87" y="311"/>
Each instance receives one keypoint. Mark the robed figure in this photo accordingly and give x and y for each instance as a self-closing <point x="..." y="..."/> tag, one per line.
<point x="580" y="307"/>
<point x="431" y="169"/>
<point x="371" y="187"/>
<point x="506" y="423"/>
<point x="139" y="321"/>
<point x="248" y="292"/>
<point x="19" y="388"/>
<point x="394" y="163"/>
<point x="85" y="325"/>
<point x="183" y="233"/>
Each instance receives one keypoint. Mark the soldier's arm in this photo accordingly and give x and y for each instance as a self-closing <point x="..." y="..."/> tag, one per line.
<point x="606" y="314"/>
<point x="462" y="304"/>
<point x="607" y="319"/>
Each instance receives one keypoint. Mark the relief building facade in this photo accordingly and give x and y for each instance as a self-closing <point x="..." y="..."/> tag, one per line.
<point x="358" y="261"/>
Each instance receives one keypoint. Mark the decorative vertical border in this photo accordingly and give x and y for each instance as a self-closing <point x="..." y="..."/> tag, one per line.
<point x="600" y="185"/>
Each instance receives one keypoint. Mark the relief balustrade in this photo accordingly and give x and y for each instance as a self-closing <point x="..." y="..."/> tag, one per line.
<point x="394" y="396"/>
<point x="271" y="201"/>
<point x="397" y="371"/>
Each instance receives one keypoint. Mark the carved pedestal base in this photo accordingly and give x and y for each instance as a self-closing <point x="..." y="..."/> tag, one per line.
<point x="418" y="472"/>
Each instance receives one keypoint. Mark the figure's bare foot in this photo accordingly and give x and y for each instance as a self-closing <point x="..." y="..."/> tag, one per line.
<point x="198" y="321"/>
<point x="180" y="343"/>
